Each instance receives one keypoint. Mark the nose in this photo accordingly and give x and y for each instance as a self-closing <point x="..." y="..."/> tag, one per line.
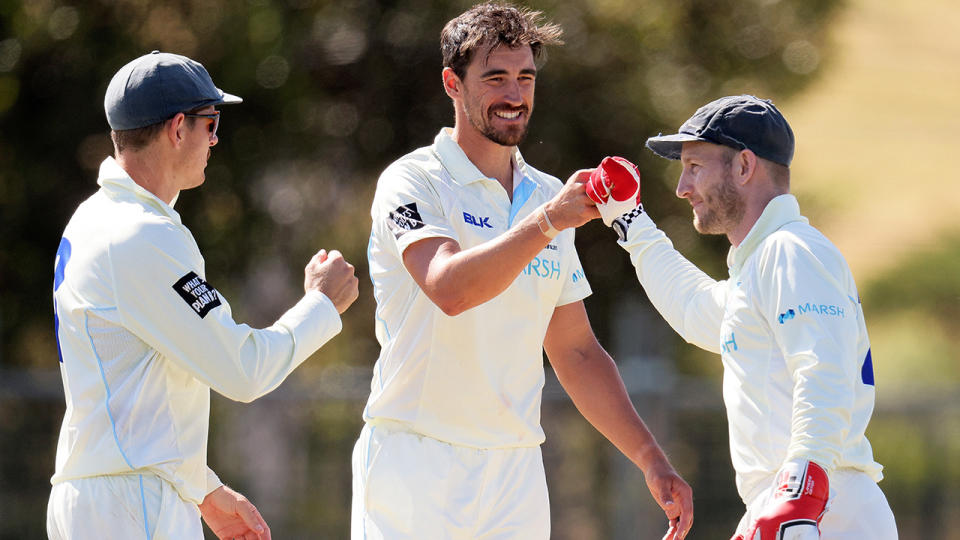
<point x="512" y="94"/>
<point x="683" y="185"/>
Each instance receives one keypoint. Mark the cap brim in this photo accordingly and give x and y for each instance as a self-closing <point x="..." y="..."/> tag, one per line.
<point x="230" y="98"/>
<point x="669" y="146"/>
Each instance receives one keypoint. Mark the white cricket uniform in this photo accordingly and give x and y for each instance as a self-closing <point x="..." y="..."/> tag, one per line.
<point x="798" y="374"/>
<point x="469" y="381"/>
<point x="142" y="339"/>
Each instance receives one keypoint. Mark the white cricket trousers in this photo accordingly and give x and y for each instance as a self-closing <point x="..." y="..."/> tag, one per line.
<point x="135" y="506"/>
<point x="408" y="486"/>
<point x="858" y="509"/>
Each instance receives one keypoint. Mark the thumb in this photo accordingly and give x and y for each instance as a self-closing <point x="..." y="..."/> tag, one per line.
<point x="669" y="508"/>
<point x="250" y="516"/>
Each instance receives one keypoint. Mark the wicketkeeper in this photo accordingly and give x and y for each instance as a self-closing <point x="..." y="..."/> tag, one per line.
<point x="798" y="374"/>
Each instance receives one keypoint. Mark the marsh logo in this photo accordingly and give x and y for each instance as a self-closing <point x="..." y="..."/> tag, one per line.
<point x="477" y="221"/>
<point x="824" y="310"/>
<point x="543" y="268"/>
<point x="729" y="343"/>
<point x="578" y="275"/>
<point x="821" y="309"/>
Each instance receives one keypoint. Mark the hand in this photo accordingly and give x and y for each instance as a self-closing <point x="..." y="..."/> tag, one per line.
<point x="332" y="275"/>
<point x="794" y="510"/>
<point x="571" y="207"/>
<point x="230" y="515"/>
<point x="675" y="498"/>
<point x="615" y="187"/>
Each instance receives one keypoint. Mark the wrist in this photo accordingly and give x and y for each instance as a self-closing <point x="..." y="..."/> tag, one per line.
<point x="621" y="225"/>
<point x="546" y="226"/>
<point x="651" y="458"/>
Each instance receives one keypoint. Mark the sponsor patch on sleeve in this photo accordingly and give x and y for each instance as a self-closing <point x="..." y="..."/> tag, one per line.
<point x="405" y="218"/>
<point x="197" y="293"/>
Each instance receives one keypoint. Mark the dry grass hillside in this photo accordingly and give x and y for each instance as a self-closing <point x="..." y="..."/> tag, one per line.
<point x="879" y="132"/>
<point x="878" y="138"/>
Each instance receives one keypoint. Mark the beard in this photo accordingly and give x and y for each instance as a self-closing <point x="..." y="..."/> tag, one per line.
<point x="509" y="136"/>
<point x="723" y="208"/>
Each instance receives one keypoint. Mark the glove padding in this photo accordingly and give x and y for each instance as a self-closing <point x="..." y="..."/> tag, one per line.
<point x="796" y="506"/>
<point x="615" y="187"/>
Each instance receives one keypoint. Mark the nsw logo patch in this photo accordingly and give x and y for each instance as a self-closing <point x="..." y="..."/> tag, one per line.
<point x="197" y="293"/>
<point x="405" y="218"/>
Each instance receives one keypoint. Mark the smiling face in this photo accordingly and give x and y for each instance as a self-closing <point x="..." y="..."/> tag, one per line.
<point x="497" y="94"/>
<point x="707" y="182"/>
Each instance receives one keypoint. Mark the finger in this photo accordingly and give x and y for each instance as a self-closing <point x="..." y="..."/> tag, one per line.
<point x="581" y="176"/>
<point x="671" y="509"/>
<point x="671" y="532"/>
<point x="249" y="514"/>
<point x="684" y="522"/>
<point x="321" y="255"/>
<point x="686" y="509"/>
<point x="334" y="254"/>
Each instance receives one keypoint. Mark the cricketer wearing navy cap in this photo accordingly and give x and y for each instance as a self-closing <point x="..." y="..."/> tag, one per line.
<point x="798" y="381"/>
<point x="740" y="122"/>
<point x="156" y="86"/>
<point x="143" y="337"/>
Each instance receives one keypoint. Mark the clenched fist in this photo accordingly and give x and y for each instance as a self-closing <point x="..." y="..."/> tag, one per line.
<point x="332" y="275"/>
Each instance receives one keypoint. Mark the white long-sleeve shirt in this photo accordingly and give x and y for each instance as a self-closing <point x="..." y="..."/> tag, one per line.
<point x="798" y="374"/>
<point x="143" y="337"/>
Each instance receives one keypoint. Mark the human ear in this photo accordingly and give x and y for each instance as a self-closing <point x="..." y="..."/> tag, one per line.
<point x="172" y="128"/>
<point x="451" y="83"/>
<point x="745" y="165"/>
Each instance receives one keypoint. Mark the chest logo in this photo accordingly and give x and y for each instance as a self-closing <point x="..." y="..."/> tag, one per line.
<point x="729" y="343"/>
<point x="477" y="221"/>
<point x="543" y="268"/>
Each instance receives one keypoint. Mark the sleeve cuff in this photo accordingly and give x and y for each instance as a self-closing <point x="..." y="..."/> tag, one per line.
<point x="213" y="481"/>
<point x="632" y="226"/>
<point x="313" y="321"/>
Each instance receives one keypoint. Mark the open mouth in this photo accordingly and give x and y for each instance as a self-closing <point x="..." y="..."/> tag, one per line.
<point x="509" y="114"/>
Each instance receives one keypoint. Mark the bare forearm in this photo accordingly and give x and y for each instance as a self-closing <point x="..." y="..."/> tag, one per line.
<point x="473" y="276"/>
<point x="457" y="280"/>
<point x="595" y="386"/>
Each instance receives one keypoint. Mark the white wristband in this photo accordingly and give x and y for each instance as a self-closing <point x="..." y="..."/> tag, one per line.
<point x="547" y="228"/>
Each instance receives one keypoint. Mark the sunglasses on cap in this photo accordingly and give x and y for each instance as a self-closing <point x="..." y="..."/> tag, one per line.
<point x="212" y="127"/>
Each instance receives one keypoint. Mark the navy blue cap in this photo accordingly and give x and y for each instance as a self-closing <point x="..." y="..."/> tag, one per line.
<point x="740" y="122"/>
<point x="157" y="86"/>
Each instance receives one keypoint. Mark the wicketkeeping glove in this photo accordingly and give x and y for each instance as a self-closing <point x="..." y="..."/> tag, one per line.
<point x="794" y="510"/>
<point x="615" y="187"/>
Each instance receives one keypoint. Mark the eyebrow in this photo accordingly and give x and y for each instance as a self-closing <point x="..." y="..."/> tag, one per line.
<point x="492" y="72"/>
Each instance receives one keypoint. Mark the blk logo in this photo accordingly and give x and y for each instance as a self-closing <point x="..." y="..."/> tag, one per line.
<point x="477" y="220"/>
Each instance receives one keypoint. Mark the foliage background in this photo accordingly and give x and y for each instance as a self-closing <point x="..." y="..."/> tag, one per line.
<point x="334" y="91"/>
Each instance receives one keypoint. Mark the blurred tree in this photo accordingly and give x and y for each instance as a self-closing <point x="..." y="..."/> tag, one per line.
<point x="333" y="92"/>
